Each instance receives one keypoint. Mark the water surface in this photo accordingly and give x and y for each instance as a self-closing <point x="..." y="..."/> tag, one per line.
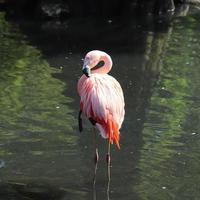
<point x="42" y="154"/>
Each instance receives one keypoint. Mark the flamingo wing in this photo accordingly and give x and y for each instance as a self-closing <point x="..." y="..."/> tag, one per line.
<point x="102" y="100"/>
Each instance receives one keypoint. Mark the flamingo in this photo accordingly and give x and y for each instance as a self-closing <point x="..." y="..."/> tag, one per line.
<point x="101" y="100"/>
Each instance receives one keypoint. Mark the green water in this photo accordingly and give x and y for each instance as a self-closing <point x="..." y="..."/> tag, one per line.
<point x="42" y="154"/>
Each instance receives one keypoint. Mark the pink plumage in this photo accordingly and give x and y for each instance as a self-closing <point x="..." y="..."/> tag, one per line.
<point x="102" y="99"/>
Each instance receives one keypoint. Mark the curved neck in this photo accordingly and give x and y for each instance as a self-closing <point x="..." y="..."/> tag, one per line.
<point x="107" y="64"/>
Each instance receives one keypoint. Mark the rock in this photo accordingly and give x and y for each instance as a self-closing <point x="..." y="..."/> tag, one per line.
<point x="53" y="9"/>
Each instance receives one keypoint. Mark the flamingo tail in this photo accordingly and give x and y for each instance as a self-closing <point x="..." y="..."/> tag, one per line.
<point x="113" y="133"/>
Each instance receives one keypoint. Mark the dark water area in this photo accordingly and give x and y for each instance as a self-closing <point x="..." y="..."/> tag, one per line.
<point x="42" y="153"/>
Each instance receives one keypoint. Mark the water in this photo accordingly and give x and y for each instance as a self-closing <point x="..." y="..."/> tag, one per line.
<point x="42" y="154"/>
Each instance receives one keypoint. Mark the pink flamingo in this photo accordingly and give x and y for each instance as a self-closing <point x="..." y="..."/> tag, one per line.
<point x="102" y="100"/>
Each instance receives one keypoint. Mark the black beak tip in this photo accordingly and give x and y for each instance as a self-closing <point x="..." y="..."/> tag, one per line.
<point x="86" y="71"/>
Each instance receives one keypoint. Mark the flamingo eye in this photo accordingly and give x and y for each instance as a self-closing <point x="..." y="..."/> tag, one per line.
<point x="87" y="59"/>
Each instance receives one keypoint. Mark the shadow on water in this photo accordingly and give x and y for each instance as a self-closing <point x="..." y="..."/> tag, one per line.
<point x="38" y="191"/>
<point x="156" y="62"/>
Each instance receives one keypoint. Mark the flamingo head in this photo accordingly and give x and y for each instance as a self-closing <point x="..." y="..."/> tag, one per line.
<point x="91" y="60"/>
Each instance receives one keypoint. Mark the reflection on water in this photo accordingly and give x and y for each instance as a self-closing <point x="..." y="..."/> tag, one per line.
<point x="36" y="118"/>
<point x="170" y="154"/>
<point x="42" y="156"/>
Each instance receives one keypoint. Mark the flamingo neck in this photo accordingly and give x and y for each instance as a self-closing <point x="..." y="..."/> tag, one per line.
<point x="107" y="64"/>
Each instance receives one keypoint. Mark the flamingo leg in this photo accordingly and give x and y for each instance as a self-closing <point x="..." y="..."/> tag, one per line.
<point x="94" y="192"/>
<point x="108" y="190"/>
<point x="96" y="156"/>
<point x="108" y="160"/>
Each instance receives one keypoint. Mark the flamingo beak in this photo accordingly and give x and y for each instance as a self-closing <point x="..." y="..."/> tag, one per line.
<point x="86" y="70"/>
